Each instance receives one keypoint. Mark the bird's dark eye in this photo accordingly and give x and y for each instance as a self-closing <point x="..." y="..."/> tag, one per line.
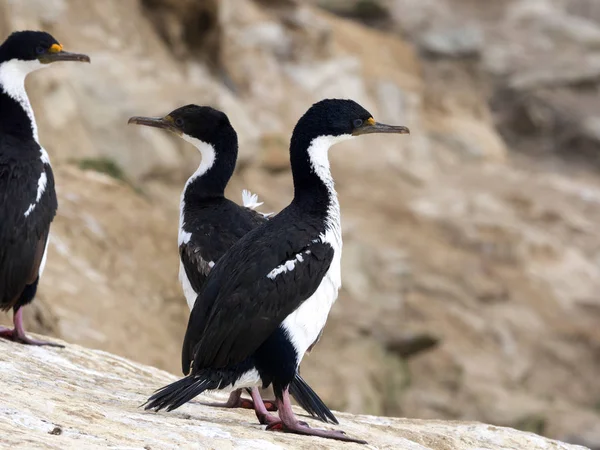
<point x="40" y="50"/>
<point x="357" y="123"/>
<point x="179" y="122"/>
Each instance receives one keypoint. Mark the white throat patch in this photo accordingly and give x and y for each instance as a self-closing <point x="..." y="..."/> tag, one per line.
<point x="306" y="323"/>
<point x="208" y="160"/>
<point x="318" y="155"/>
<point x="12" y="82"/>
<point x="208" y="155"/>
<point x="319" y="162"/>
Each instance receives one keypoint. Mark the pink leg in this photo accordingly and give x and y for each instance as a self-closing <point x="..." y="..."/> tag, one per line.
<point x="262" y="412"/>
<point x="289" y="424"/>
<point x="18" y="333"/>
<point x="235" y="400"/>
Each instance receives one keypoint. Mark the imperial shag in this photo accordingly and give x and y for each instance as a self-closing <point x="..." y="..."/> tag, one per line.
<point x="267" y="300"/>
<point x="27" y="191"/>
<point x="209" y="223"/>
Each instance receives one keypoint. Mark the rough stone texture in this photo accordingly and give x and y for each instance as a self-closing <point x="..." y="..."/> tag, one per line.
<point x="541" y="59"/>
<point x="448" y="237"/>
<point x="76" y="398"/>
<point x="113" y="278"/>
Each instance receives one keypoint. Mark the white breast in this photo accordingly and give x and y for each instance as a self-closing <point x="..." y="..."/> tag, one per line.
<point x="43" y="262"/>
<point x="305" y="324"/>
<point x="248" y="379"/>
<point x="188" y="290"/>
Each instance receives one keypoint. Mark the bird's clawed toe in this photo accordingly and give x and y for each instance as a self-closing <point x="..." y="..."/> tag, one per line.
<point x="303" y="428"/>
<point x="22" y="338"/>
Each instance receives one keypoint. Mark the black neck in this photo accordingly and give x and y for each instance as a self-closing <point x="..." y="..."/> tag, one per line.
<point x="310" y="192"/>
<point x="14" y="120"/>
<point x="213" y="182"/>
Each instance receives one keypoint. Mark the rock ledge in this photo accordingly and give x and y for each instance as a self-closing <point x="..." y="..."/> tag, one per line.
<point x="76" y="398"/>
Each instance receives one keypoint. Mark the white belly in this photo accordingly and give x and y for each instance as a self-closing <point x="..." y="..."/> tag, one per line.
<point x="43" y="262"/>
<point x="188" y="290"/>
<point x="247" y="380"/>
<point x="306" y="323"/>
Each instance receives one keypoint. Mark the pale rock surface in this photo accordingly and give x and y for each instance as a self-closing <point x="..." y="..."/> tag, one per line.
<point x="76" y="398"/>
<point x="113" y="282"/>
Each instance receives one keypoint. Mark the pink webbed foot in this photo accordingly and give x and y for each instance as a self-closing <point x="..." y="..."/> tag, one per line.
<point x="288" y="423"/>
<point x="13" y="335"/>
<point x="303" y="428"/>
<point x="18" y="333"/>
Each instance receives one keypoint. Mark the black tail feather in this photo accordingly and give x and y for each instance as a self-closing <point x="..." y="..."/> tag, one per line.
<point x="181" y="391"/>
<point x="174" y="395"/>
<point x="310" y="401"/>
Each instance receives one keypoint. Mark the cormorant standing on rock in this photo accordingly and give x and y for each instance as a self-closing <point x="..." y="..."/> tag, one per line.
<point x="265" y="303"/>
<point x="209" y="223"/>
<point x="27" y="196"/>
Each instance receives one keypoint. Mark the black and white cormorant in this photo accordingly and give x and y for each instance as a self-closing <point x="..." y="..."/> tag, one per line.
<point x="209" y="223"/>
<point x="265" y="303"/>
<point x="27" y="197"/>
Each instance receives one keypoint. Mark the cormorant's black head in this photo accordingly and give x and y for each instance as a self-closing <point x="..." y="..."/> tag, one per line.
<point x="209" y="130"/>
<point x="203" y="123"/>
<point x="36" y="47"/>
<point x="323" y="125"/>
<point x="336" y="118"/>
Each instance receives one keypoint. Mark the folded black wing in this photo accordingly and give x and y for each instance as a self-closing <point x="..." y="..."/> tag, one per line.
<point x="23" y="236"/>
<point x="198" y="259"/>
<point x="210" y="237"/>
<point x="247" y="296"/>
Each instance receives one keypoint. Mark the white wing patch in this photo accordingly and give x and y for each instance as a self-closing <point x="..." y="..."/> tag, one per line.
<point x="287" y="266"/>
<point x="42" y="181"/>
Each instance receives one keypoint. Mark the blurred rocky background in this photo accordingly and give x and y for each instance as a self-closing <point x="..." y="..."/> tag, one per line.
<point x="471" y="265"/>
